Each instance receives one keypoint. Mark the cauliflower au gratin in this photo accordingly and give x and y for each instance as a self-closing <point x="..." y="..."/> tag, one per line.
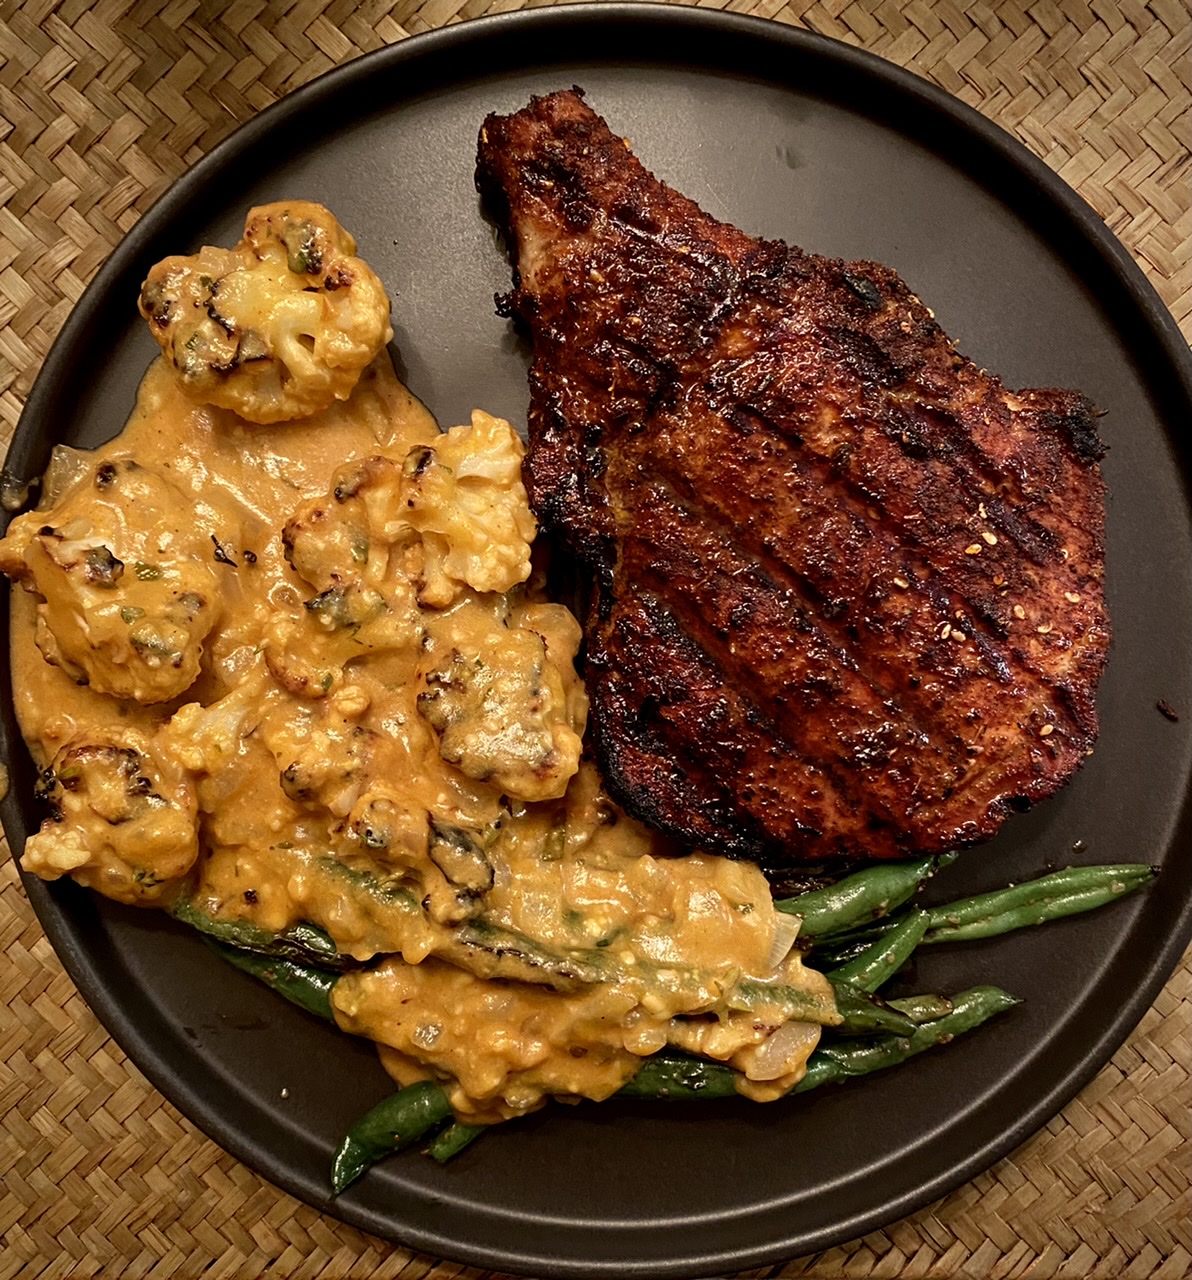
<point x="307" y="675"/>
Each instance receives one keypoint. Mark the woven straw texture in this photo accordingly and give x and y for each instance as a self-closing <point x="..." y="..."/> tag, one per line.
<point x="102" y="104"/>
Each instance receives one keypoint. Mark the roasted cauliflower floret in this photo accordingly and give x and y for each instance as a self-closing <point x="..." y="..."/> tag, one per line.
<point x="128" y="587"/>
<point x="208" y="740"/>
<point x="327" y="546"/>
<point x="446" y="865"/>
<point x="505" y="702"/>
<point x="443" y="518"/>
<point x="323" y="754"/>
<point x="365" y="603"/>
<point x="279" y="327"/>
<point x="310" y="647"/>
<point x="123" y="818"/>
<point x="465" y="497"/>
<point x="449" y="515"/>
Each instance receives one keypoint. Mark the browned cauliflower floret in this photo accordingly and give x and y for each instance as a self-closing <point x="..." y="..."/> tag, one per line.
<point x="326" y="545"/>
<point x="465" y="497"/>
<point x="455" y="509"/>
<point x="324" y="755"/>
<point x="123" y="818"/>
<point x="279" y="327"/>
<point x="445" y="865"/>
<point x="505" y="702"/>
<point x="127" y="585"/>
<point x="310" y="646"/>
<point x="365" y="602"/>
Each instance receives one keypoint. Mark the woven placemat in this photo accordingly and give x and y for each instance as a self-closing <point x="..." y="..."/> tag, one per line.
<point x="102" y="105"/>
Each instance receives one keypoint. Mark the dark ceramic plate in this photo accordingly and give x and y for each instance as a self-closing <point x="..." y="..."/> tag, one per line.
<point x="787" y="135"/>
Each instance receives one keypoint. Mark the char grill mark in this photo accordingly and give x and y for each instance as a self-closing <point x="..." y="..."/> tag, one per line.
<point x="713" y="592"/>
<point x="848" y="588"/>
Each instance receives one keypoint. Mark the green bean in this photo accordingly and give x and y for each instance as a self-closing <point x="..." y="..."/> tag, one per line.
<point x="844" y="1058"/>
<point x="675" y="1077"/>
<point x="448" y="1144"/>
<point x="880" y="961"/>
<point x="863" y="1014"/>
<point x="301" y="984"/>
<point x="487" y="949"/>
<point x="393" y="1124"/>
<point x="867" y="932"/>
<point x="820" y="1070"/>
<point x="839" y="948"/>
<point x="857" y="919"/>
<point x="794" y="1004"/>
<point x="923" y="1008"/>
<point x="409" y="1114"/>
<point x="864" y="896"/>
<point x="390" y="894"/>
<point x="306" y="943"/>
<point x="504" y="947"/>
<point x="1051" y="897"/>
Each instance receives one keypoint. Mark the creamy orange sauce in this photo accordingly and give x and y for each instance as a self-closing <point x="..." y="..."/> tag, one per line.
<point x="306" y="672"/>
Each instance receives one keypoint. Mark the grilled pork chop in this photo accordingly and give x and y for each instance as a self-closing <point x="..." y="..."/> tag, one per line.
<point x="847" y="589"/>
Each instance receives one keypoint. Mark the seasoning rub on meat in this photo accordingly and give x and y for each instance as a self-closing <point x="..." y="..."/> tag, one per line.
<point x="847" y="588"/>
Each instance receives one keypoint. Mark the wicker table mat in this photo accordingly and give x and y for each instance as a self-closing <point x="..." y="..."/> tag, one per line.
<point x="102" y="105"/>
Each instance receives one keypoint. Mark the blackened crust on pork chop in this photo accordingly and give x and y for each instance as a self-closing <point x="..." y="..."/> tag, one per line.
<point x="848" y="589"/>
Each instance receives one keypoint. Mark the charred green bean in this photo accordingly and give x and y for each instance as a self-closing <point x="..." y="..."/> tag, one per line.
<point x="302" y="942"/>
<point x="924" y="1008"/>
<point x="878" y="963"/>
<point x="677" y="1078"/>
<point x="829" y="953"/>
<point x="844" y="1058"/>
<point x="793" y="1004"/>
<point x="393" y="1124"/>
<point x="452" y="1140"/>
<point x="864" y="896"/>
<point x="863" y="1014"/>
<point x="1051" y="897"/>
<point x="301" y="984"/>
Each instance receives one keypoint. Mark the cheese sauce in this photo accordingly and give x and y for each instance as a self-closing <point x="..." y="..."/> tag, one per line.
<point x="307" y="673"/>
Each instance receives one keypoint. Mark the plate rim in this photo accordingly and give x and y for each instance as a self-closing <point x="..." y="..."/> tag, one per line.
<point x="1175" y="360"/>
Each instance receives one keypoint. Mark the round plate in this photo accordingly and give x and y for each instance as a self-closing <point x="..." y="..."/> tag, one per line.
<point x="786" y="135"/>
